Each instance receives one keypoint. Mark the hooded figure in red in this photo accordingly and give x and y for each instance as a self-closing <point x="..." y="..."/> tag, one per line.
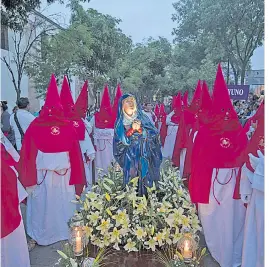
<point x="81" y="105"/>
<point x="215" y="171"/>
<point x="70" y="110"/>
<point x="10" y="215"/>
<point x="51" y="166"/>
<point x="181" y="137"/>
<point x="162" y="124"/>
<point x="105" y="118"/>
<point x="219" y="144"/>
<point x="51" y="133"/>
<point x="157" y="115"/>
<point x="201" y="119"/>
<point x="257" y="140"/>
<point x="116" y="100"/>
<point x="252" y="194"/>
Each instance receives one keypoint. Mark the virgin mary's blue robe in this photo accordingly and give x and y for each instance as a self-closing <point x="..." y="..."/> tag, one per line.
<point x="139" y="155"/>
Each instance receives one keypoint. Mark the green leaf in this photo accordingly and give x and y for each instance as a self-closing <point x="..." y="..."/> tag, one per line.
<point x="107" y="187"/>
<point x="62" y="254"/>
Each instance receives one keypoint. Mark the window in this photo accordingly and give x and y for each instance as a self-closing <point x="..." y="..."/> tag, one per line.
<point x="4" y="37"/>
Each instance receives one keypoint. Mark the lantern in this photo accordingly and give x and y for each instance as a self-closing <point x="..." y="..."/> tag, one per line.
<point x="187" y="245"/>
<point x="77" y="234"/>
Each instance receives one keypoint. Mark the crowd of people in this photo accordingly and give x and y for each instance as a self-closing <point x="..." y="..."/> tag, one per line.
<point x="55" y="156"/>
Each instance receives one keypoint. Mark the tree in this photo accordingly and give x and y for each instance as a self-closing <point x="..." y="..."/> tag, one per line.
<point x="141" y="69"/>
<point x="89" y="49"/>
<point x="14" y="13"/>
<point x="235" y="26"/>
<point x="23" y="42"/>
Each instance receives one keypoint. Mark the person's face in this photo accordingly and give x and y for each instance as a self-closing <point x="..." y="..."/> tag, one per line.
<point x="148" y="107"/>
<point x="129" y="106"/>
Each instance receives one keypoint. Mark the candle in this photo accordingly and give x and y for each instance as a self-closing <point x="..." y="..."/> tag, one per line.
<point x="187" y="253"/>
<point x="78" y="246"/>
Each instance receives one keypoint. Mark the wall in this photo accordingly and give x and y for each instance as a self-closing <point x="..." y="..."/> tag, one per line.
<point x="8" y="92"/>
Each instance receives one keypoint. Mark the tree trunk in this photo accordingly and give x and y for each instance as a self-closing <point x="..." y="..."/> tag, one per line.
<point x="243" y="74"/>
<point x="235" y="72"/>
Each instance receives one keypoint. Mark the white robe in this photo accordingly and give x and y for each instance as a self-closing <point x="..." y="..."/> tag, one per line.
<point x="86" y="146"/>
<point x="49" y="205"/>
<point x="252" y="185"/>
<point x="223" y="225"/>
<point x="14" y="249"/>
<point x="169" y="144"/>
<point x="103" y="141"/>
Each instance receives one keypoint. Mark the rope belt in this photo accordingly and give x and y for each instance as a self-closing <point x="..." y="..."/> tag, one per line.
<point x="216" y="179"/>
<point x="53" y="171"/>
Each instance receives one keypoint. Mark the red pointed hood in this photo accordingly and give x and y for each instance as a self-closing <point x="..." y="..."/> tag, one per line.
<point x="162" y="110"/>
<point x="218" y="144"/>
<point x="178" y="109"/>
<point x="67" y="99"/>
<point x="174" y="101"/>
<point x="157" y="110"/>
<point x="116" y="100"/>
<point x="181" y="137"/>
<point x="81" y="105"/>
<point x="105" y="118"/>
<point x="197" y="98"/>
<point x="185" y="99"/>
<point x="162" y="119"/>
<point x="52" y="105"/>
<point x="206" y="105"/>
<point x="70" y="110"/>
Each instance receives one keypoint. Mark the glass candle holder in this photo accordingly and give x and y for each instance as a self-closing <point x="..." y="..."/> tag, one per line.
<point x="187" y="245"/>
<point x="77" y="236"/>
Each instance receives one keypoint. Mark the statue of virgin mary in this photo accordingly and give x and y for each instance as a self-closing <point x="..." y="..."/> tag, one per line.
<point x="136" y="145"/>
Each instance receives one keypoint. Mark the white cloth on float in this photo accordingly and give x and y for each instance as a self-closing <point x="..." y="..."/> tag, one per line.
<point x="252" y="192"/>
<point x="49" y="205"/>
<point x="170" y="139"/>
<point x="87" y="148"/>
<point x="103" y="141"/>
<point x="14" y="248"/>
<point x="223" y="225"/>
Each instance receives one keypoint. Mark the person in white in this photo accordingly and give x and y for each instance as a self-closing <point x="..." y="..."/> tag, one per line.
<point x="170" y="139"/>
<point x="14" y="250"/>
<point x="24" y="118"/>
<point x="252" y="193"/>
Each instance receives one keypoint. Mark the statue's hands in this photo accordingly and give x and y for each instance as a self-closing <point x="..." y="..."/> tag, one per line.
<point x="136" y="125"/>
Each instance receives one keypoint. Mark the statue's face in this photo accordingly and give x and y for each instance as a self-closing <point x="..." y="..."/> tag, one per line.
<point x="129" y="106"/>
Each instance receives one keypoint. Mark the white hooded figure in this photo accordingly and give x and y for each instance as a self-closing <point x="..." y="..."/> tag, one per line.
<point x="252" y="193"/>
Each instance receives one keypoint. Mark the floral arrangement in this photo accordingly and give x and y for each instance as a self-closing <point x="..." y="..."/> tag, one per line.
<point x="118" y="218"/>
